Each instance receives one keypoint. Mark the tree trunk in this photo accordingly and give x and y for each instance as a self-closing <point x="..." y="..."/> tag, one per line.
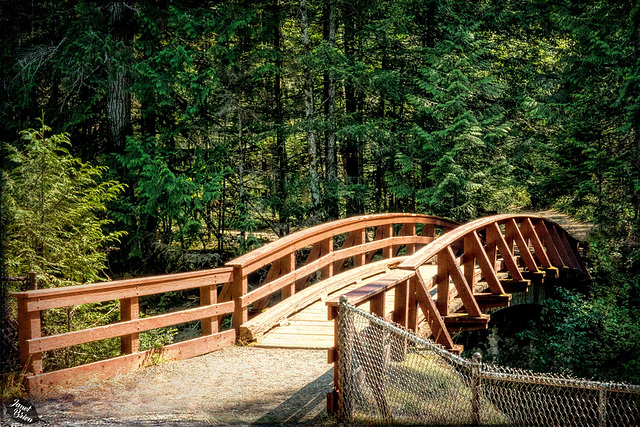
<point x="118" y="98"/>
<point x="309" y="109"/>
<point x="280" y="148"/>
<point x="331" y="189"/>
<point x="353" y="167"/>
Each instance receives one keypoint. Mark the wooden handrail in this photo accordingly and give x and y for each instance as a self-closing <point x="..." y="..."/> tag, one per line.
<point x="264" y="255"/>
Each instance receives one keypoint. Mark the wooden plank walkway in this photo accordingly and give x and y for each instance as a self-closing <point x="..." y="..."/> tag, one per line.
<point x="310" y="327"/>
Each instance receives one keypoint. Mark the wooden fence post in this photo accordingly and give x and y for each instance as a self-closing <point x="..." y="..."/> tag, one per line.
<point x="29" y="327"/>
<point x="33" y="281"/>
<point x="129" y="310"/>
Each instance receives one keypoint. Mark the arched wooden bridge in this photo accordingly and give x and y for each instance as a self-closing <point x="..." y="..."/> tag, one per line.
<point x="426" y="273"/>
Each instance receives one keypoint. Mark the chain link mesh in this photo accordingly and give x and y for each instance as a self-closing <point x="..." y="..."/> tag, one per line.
<point x="387" y="375"/>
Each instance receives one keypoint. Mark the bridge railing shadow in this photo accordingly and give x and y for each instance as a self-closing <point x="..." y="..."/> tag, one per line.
<point x="302" y="407"/>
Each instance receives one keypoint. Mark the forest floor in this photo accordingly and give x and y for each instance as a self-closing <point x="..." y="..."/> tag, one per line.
<point x="234" y="386"/>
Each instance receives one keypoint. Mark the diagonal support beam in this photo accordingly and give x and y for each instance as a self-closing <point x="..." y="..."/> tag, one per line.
<point x="433" y="318"/>
<point x="552" y="251"/>
<point x="531" y="234"/>
<point x="495" y="236"/>
<point x="485" y="265"/>
<point x="562" y="250"/>
<point x="464" y="291"/>
<point x="514" y="232"/>
<point x="573" y="252"/>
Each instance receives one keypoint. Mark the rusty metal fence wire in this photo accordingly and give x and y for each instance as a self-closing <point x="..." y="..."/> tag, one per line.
<point x="388" y="375"/>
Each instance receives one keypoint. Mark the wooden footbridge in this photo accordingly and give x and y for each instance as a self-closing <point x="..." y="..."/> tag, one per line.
<point x="425" y="273"/>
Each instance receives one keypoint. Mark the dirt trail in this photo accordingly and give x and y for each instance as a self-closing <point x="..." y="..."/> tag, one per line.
<point x="233" y="386"/>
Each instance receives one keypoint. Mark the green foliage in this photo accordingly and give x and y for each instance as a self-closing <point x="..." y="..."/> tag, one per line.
<point x="461" y="131"/>
<point x="53" y="212"/>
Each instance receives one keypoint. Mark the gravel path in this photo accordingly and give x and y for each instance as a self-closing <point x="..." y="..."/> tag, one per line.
<point x="233" y="386"/>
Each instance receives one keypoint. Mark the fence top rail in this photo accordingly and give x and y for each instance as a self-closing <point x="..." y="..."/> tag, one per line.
<point x="285" y="245"/>
<point x="426" y="253"/>
<point x="155" y="284"/>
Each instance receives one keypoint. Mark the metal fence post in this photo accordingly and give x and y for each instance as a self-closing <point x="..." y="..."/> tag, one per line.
<point x="602" y="405"/>
<point x="345" y="360"/>
<point x="475" y="385"/>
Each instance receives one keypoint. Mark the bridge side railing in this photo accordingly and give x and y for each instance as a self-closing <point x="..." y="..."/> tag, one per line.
<point x="223" y="291"/>
<point x="331" y="247"/>
<point x="523" y="246"/>
<point x="32" y="344"/>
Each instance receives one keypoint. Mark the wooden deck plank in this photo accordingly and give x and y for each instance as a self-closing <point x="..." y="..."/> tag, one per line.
<point x="310" y="328"/>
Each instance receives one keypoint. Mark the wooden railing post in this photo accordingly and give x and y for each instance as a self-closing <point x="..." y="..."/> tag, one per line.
<point x="412" y="308"/>
<point x="33" y="281"/>
<point x="401" y="303"/>
<point x="208" y="296"/>
<point x="239" y="289"/>
<point x="359" y="239"/>
<point x="327" y="248"/>
<point x="387" y="231"/>
<point x="29" y="327"/>
<point x="409" y="230"/>
<point x="288" y="264"/>
<point x="442" y="282"/>
<point x="129" y="310"/>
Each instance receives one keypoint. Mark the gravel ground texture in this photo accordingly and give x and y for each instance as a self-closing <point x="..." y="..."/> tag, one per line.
<point x="233" y="386"/>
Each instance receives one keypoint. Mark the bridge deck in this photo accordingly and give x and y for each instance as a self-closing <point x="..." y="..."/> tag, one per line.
<point x="310" y="328"/>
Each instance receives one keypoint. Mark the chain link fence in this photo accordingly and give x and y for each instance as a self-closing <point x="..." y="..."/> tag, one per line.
<point x="387" y="375"/>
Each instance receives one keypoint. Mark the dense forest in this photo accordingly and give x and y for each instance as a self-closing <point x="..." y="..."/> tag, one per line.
<point x="159" y="136"/>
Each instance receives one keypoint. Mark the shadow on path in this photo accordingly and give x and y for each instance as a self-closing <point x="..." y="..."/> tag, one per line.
<point x="300" y="408"/>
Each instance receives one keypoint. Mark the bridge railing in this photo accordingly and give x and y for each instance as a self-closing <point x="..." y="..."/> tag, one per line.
<point x="520" y="247"/>
<point x="127" y="292"/>
<point x="331" y="248"/>
<point x="327" y="250"/>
